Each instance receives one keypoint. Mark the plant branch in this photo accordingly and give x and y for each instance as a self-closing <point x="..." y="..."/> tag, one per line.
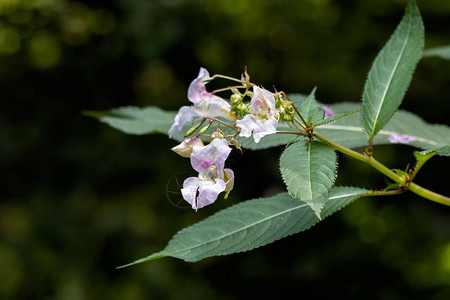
<point x="413" y="187"/>
<point x="430" y="195"/>
<point x="385" y="193"/>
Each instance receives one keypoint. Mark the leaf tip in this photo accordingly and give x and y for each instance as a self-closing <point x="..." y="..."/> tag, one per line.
<point x="148" y="258"/>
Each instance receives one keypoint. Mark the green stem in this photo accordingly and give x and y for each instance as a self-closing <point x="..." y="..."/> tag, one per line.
<point x="221" y="122"/>
<point x="367" y="159"/>
<point x="226" y="77"/>
<point x="428" y="194"/>
<point x="415" y="188"/>
<point x="384" y="193"/>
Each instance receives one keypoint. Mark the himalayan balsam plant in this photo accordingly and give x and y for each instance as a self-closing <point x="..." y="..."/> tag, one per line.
<point x="254" y="117"/>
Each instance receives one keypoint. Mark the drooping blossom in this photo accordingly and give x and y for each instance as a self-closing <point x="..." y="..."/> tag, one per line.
<point x="187" y="146"/>
<point x="400" y="139"/>
<point x="205" y="104"/>
<point x="213" y="178"/>
<point x="263" y="117"/>
<point x="327" y="110"/>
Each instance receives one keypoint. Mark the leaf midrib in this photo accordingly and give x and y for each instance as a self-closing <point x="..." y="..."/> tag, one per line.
<point x="310" y="176"/>
<point x="381" y="132"/>
<point x="254" y="224"/>
<point x="390" y="79"/>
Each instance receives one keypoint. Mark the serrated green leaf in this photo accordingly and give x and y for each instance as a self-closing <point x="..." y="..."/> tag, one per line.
<point x="249" y="225"/>
<point x="310" y="109"/>
<point x="442" y="52"/>
<point x="135" y="120"/>
<point x="421" y="159"/>
<point x="297" y="98"/>
<point x="309" y="171"/>
<point x="392" y="71"/>
<point x="423" y="156"/>
<point x="443" y="150"/>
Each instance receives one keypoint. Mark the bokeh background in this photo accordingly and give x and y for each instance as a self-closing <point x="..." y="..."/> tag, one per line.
<point x="79" y="198"/>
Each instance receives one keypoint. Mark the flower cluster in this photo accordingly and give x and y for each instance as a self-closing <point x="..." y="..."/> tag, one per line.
<point x="257" y="118"/>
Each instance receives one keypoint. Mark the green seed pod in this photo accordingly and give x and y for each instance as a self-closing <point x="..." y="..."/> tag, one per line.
<point x="193" y="129"/>
<point x="204" y="129"/>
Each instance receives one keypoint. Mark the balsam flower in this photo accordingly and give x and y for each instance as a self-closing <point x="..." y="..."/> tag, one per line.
<point x="263" y="117"/>
<point x="205" y="104"/>
<point x="400" y="139"/>
<point x="212" y="179"/>
<point x="328" y="112"/>
<point x="187" y="146"/>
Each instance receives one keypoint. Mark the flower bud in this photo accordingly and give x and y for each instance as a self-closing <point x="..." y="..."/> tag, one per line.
<point x="235" y="143"/>
<point x="185" y="148"/>
<point x="235" y="91"/>
<point x="218" y="134"/>
<point x="235" y="99"/>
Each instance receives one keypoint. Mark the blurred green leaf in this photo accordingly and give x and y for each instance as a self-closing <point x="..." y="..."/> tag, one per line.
<point x="442" y="52"/>
<point x="392" y="71"/>
<point x="309" y="171"/>
<point x="444" y="150"/>
<point x="249" y="225"/>
<point x="135" y="120"/>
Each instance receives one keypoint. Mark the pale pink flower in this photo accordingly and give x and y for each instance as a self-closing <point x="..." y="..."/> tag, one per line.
<point x="400" y="139"/>
<point x="263" y="117"/>
<point x="212" y="179"/>
<point x="205" y="104"/>
<point x="327" y="110"/>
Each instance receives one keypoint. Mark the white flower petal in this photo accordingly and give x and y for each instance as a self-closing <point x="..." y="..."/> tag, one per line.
<point x="247" y="125"/>
<point x="251" y="124"/>
<point x="190" y="189"/>
<point x="184" y="115"/>
<point x="268" y="127"/>
<point x="200" y="193"/>
<point x="209" y="191"/>
<point x="187" y="146"/>
<point x="260" y="94"/>
<point x="263" y="117"/>
<point x="213" y="107"/>
<point x="197" y="89"/>
<point x="229" y="179"/>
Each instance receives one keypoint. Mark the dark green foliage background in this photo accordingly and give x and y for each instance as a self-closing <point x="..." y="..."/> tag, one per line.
<point x="79" y="198"/>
